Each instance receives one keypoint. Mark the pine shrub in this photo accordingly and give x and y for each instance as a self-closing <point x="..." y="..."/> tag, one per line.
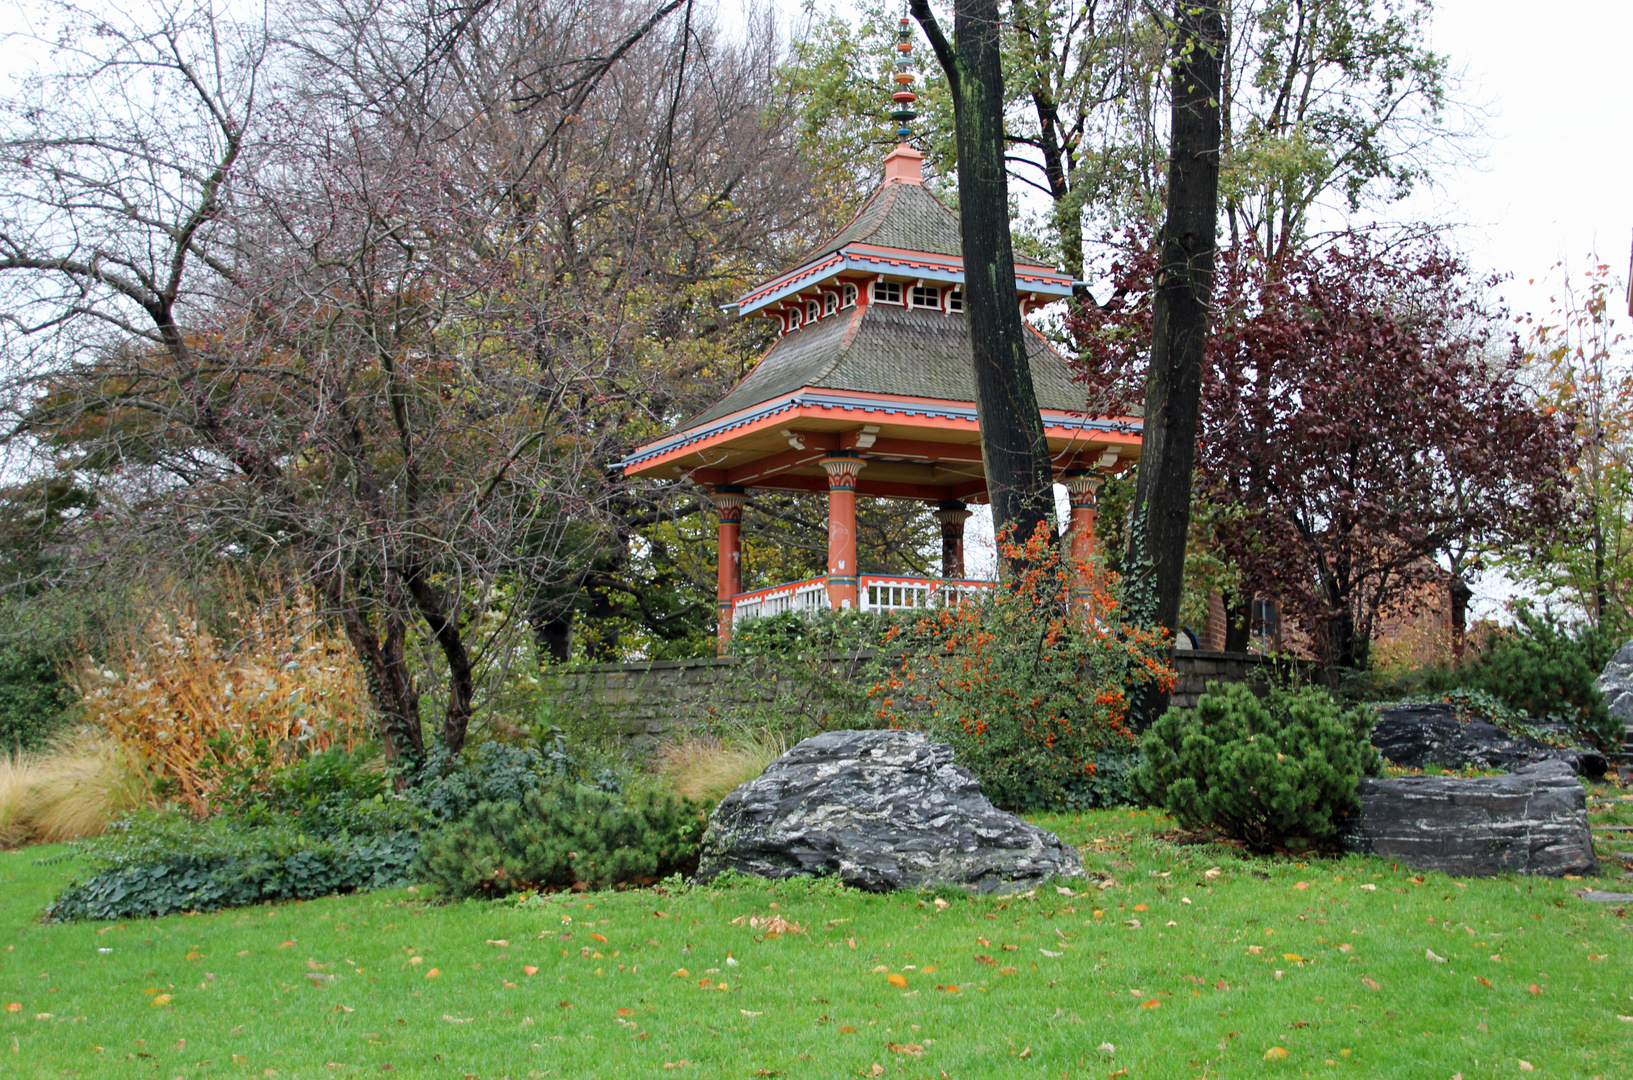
<point x="564" y="836"/>
<point x="1266" y="772"/>
<point x="1546" y="670"/>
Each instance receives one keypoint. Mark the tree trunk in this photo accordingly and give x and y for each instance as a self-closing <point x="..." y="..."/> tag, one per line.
<point x="456" y="718"/>
<point x="1161" y="512"/>
<point x="1461" y="594"/>
<point x="385" y="672"/>
<point x="1020" y="482"/>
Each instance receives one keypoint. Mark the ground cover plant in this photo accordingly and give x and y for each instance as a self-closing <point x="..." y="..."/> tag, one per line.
<point x="1199" y="962"/>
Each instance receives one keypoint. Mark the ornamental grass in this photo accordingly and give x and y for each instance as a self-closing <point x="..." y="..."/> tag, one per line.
<point x="197" y="711"/>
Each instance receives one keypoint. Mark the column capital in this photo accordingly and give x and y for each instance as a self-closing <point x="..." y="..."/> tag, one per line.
<point x="952" y="515"/>
<point x="842" y="468"/>
<point x="729" y="500"/>
<point x="1083" y="485"/>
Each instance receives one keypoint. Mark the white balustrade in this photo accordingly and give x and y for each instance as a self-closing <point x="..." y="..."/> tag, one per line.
<point x="875" y="593"/>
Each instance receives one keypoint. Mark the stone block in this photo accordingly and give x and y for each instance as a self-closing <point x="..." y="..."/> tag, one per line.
<point x="1534" y="821"/>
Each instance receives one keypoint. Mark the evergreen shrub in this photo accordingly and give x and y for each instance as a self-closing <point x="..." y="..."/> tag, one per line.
<point x="564" y="836"/>
<point x="1546" y="669"/>
<point x="1029" y="684"/>
<point x="33" y="698"/>
<point x="1267" y="772"/>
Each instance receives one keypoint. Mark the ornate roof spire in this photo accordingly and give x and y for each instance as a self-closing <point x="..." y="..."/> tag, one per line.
<point x="903" y="113"/>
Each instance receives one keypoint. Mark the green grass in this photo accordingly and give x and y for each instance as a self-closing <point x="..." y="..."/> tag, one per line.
<point x="332" y="988"/>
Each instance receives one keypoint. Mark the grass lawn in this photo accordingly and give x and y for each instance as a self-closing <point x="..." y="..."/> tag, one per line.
<point x="1182" y="973"/>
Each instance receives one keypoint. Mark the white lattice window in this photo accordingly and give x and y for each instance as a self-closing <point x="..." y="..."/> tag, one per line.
<point x="851" y="293"/>
<point x="887" y="292"/>
<point x="925" y="296"/>
<point x="830" y="303"/>
<point x="955" y="300"/>
<point x="793" y="318"/>
<point x="813" y="311"/>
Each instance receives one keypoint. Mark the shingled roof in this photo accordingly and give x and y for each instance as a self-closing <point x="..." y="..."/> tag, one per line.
<point x="884" y="349"/>
<point x="902" y="216"/>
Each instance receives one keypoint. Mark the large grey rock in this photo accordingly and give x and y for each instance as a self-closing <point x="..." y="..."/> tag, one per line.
<point x="1534" y="821"/>
<point x="1616" y="684"/>
<point x="880" y="810"/>
<point x="1421" y="736"/>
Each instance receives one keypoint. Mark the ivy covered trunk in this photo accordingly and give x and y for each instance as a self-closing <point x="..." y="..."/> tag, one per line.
<point x="1020" y="481"/>
<point x="1161" y="514"/>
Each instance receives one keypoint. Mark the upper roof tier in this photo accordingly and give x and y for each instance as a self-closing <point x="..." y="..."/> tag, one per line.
<point x="903" y="233"/>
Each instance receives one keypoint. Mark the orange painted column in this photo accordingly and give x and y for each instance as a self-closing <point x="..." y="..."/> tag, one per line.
<point x="952" y="516"/>
<point x="1081" y="487"/>
<point x="842" y="470"/>
<point x="729" y="501"/>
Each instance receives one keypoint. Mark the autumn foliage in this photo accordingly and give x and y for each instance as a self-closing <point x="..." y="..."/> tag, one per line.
<point x="1029" y="684"/>
<point x="195" y="709"/>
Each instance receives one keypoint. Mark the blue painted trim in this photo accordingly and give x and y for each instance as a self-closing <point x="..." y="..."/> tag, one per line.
<point x="886" y="264"/>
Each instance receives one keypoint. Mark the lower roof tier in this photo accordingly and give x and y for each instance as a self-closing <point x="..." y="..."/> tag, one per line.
<point x="916" y="448"/>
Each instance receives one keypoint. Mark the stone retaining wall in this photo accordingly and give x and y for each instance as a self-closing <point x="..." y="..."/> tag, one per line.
<point x="649" y="698"/>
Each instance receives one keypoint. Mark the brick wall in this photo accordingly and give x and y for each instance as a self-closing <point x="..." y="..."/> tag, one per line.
<point x="649" y="699"/>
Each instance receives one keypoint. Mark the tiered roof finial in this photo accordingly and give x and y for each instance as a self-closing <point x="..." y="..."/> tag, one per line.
<point x="904" y="97"/>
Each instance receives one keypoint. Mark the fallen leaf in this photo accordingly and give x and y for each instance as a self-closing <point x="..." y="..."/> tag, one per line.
<point x="286" y="945"/>
<point x="745" y="1012"/>
<point x="1046" y="952"/>
<point x="1302" y="885"/>
<point x="433" y="973"/>
<point x="1152" y="1004"/>
<point x="1624" y="1019"/>
<point x="624" y="1010"/>
<point x="1063" y="890"/>
<point x="1025" y="1053"/>
<point x="599" y="938"/>
<point x="927" y="969"/>
<point x="1275" y="1053"/>
<point x="877" y="1070"/>
<point x="1429" y="954"/>
<point x="1526" y="1066"/>
<point x="941" y="905"/>
<point x="1346" y="948"/>
<point x="952" y="988"/>
<point x="1534" y="988"/>
<point x="681" y="1064"/>
<point x="529" y="970"/>
<point x="161" y="1001"/>
<point x="501" y="942"/>
<point x="847" y="1030"/>
<point x="881" y="969"/>
<point x="910" y="1049"/>
<point x="1106" y="1047"/>
<point x="983" y="942"/>
<point x="1212" y="873"/>
<point x="1292" y="956"/>
<point x="1142" y="907"/>
<point x="1006" y="971"/>
<point x="985" y="960"/>
<point x="1482" y="981"/>
<point x="194" y="955"/>
<point x="1255" y="949"/>
<point x="1369" y="887"/>
<point x="458" y="1019"/>
<point x="1221" y="985"/>
<point x="1370" y="984"/>
<point x="899" y="981"/>
<point x="679" y="973"/>
<point x="14" y="1006"/>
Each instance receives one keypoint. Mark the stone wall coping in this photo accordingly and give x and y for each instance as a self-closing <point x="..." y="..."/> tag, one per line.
<point x="640" y="666"/>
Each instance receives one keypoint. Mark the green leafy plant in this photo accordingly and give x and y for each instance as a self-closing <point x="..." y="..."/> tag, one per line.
<point x="1266" y="772"/>
<point x="1029" y="683"/>
<point x="33" y="698"/>
<point x="566" y="836"/>
<point x="1546" y="670"/>
<point x="156" y="864"/>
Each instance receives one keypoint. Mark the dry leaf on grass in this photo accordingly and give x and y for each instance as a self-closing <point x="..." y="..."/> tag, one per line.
<point x="1275" y="1053"/>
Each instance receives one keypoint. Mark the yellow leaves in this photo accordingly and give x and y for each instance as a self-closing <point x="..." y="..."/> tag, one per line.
<point x="432" y="974"/>
<point x="529" y="970"/>
<point x="898" y="981"/>
<point x="881" y="970"/>
<point x="624" y="1010"/>
<point x="1301" y="886"/>
<point x="287" y="945"/>
<point x="1152" y="1004"/>
<point x="908" y="1049"/>
<point x="1276" y="1053"/>
<point x="416" y="960"/>
<point x="950" y="988"/>
<point x="681" y="973"/>
<point x="1534" y="988"/>
<point x="161" y="1000"/>
<point x="14" y="1006"/>
<point x="928" y="969"/>
<point x="1006" y="971"/>
<point x="599" y="938"/>
<point x="1142" y="907"/>
<point x="1255" y="950"/>
<point x="194" y="955"/>
<point x="499" y="942"/>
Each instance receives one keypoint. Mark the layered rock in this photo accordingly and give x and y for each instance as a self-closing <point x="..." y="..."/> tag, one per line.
<point x="880" y="810"/>
<point x="1616" y="684"/>
<point x="1534" y="821"/>
<point x="1424" y="736"/>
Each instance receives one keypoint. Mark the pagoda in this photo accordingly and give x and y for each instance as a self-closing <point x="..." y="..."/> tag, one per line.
<point x="870" y="390"/>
